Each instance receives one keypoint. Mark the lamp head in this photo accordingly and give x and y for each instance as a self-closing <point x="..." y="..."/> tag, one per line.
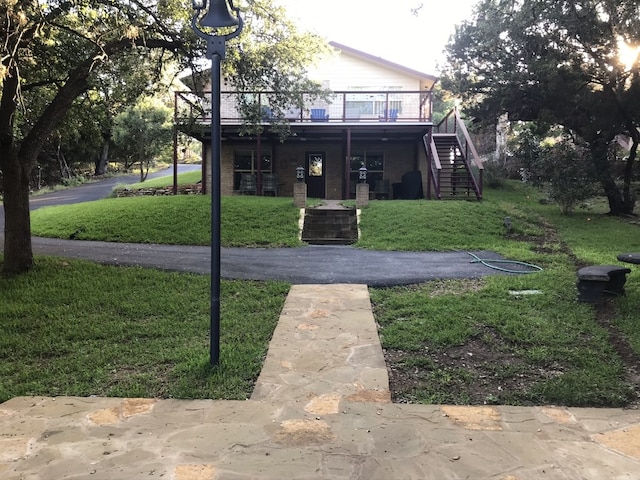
<point x="218" y="15"/>
<point x="362" y="174"/>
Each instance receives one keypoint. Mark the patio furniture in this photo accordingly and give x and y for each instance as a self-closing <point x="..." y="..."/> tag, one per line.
<point x="270" y="183"/>
<point x="319" y="115"/>
<point x="248" y="184"/>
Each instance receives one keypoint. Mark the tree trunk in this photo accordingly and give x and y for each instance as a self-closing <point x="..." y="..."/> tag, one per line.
<point x="101" y="164"/>
<point x="18" y="253"/>
<point x="617" y="203"/>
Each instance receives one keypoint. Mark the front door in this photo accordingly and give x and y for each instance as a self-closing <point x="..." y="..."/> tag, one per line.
<point x="315" y="174"/>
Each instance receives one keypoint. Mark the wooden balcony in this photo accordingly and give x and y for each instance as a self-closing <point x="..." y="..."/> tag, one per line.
<point x="347" y="107"/>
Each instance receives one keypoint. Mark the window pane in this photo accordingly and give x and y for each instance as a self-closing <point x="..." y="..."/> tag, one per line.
<point x="375" y="162"/>
<point x="315" y="165"/>
<point x="242" y="161"/>
<point x="265" y="166"/>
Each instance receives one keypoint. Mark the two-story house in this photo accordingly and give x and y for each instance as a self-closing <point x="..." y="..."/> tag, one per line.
<point x="378" y="115"/>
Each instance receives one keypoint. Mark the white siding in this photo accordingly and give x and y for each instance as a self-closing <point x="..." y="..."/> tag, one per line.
<point x="346" y="72"/>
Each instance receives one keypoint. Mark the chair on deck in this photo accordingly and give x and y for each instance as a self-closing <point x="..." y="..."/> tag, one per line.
<point x="270" y="183"/>
<point x="248" y="184"/>
<point x="319" y="115"/>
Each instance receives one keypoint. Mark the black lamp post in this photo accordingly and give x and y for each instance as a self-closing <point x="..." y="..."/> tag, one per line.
<point x="217" y="16"/>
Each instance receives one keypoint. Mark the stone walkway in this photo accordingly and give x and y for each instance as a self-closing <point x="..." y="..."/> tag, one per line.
<point x="321" y="410"/>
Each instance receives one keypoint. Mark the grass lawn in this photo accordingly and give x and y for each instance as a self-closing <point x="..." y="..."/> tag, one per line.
<point x="455" y="341"/>
<point x="177" y="220"/>
<point x="77" y="328"/>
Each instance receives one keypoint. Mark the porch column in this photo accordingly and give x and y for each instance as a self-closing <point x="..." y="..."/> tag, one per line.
<point x="347" y="185"/>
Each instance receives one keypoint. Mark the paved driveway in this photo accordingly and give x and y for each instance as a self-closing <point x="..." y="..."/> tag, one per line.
<point x="306" y="265"/>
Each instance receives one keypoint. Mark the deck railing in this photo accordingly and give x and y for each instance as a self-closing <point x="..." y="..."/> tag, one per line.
<point x="336" y="107"/>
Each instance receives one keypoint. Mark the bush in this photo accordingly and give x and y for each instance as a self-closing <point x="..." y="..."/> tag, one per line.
<point x="568" y="170"/>
<point x="559" y="166"/>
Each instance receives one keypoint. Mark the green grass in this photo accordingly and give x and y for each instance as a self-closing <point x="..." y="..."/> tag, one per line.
<point x="187" y="178"/>
<point x="76" y="328"/>
<point x="526" y="349"/>
<point x="533" y="349"/>
<point x="177" y="220"/>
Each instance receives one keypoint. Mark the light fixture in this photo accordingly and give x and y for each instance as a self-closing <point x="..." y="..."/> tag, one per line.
<point x="217" y="16"/>
<point x="300" y="174"/>
<point x="362" y="174"/>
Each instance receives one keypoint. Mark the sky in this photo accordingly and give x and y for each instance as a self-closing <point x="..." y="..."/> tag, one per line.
<point x="385" y="28"/>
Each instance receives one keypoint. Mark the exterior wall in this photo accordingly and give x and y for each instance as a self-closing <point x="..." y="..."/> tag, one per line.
<point x="398" y="160"/>
<point x="346" y="72"/>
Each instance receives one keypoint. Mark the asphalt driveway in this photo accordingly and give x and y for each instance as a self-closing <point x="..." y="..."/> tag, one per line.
<point x="306" y="265"/>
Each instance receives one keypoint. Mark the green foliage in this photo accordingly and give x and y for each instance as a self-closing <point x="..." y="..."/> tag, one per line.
<point x="75" y="328"/>
<point x="93" y="58"/>
<point x="560" y="167"/>
<point x="186" y="178"/>
<point x="141" y="132"/>
<point x="555" y="63"/>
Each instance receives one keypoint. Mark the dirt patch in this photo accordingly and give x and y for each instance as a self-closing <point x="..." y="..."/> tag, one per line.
<point x="605" y="316"/>
<point x="483" y="371"/>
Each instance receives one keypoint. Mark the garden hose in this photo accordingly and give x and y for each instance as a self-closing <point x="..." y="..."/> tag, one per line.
<point x="488" y="262"/>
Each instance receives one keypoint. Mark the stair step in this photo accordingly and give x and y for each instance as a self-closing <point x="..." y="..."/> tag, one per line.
<point x="330" y="226"/>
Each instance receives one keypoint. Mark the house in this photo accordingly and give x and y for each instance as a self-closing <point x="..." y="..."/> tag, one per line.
<point x="378" y="115"/>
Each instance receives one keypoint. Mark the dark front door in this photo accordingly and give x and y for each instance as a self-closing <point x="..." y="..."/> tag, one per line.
<point x="315" y="174"/>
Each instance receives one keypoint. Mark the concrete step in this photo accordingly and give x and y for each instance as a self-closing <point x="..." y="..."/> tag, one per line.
<point x="330" y="226"/>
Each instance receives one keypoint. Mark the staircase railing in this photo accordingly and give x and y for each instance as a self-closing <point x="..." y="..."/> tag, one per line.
<point x="434" y="168"/>
<point x="453" y="123"/>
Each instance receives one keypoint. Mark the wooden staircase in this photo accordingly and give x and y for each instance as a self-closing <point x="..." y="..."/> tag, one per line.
<point x="330" y="226"/>
<point x="456" y="181"/>
<point x="455" y="170"/>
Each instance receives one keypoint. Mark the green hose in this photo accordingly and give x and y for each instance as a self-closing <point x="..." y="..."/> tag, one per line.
<point x="486" y="262"/>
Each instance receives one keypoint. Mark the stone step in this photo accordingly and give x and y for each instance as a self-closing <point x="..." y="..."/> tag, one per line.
<point x="330" y="226"/>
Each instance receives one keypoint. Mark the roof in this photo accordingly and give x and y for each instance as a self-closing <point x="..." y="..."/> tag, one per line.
<point x="385" y="63"/>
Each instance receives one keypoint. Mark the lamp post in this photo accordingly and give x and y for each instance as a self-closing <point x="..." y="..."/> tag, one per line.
<point x="217" y="16"/>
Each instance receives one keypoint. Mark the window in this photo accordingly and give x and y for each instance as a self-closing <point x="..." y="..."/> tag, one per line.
<point x="374" y="163"/>
<point x="246" y="162"/>
<point x="373" y="104"/>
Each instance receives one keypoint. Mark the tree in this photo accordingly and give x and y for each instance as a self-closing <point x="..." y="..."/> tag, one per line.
<point x="51" y="52"/>
<point x="56" y="54"/>
<point x="556" y="62"/>
<point x="141" y="132"/>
